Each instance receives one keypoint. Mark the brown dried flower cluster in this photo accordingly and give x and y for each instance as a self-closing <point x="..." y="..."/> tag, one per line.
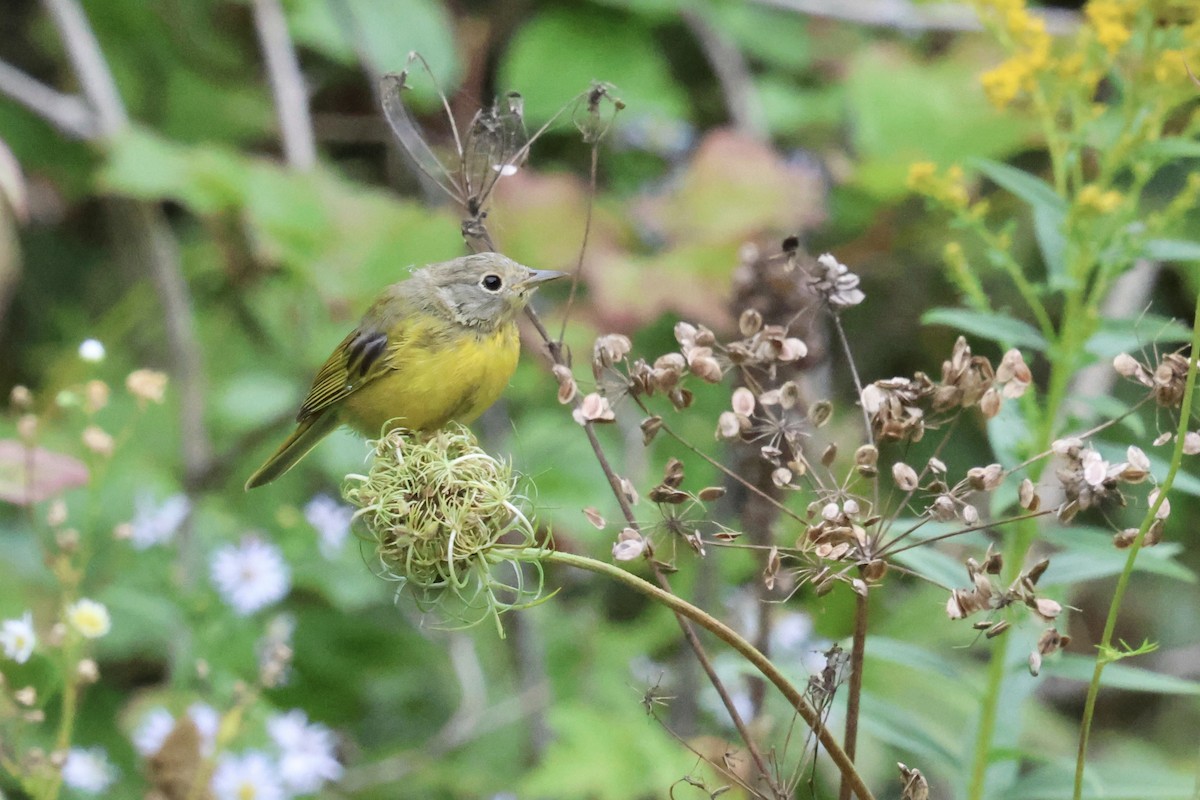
<point x="897" y="406"/>
<point x="1166" y="379"/>
<point x="1087" y="479"/>
<point x="986" y="595"/>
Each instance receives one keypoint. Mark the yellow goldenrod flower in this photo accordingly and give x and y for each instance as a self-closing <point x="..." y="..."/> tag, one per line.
<point x="1092" y="198"/>
<point x="89" y="618"/>
<point x="920" y="174"/>
<point x="1110" y="23"/>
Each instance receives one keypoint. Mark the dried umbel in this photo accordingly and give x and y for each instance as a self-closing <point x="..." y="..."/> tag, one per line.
<point x="1165" y="379"/>
<point x="1087" y="478"/>
<point x="436" y="507"/>
<point x="896" y="406"/>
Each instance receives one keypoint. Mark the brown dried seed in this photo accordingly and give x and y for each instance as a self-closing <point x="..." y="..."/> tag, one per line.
<point x="905" y="476"/>
<point x="997" y="629"/>
<point x="650" y="428"/>
<point x="673" y="473"/>
<point x="750" y="322"/>
<point x="709" y="493"/>
<point x="593" y="516"/>
<point x="828" y="455"/>
<point x="820" y="413"/>
<point x="742" y="401"/>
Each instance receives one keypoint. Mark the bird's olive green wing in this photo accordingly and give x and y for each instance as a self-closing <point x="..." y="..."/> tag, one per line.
<point x="358" y="360"/>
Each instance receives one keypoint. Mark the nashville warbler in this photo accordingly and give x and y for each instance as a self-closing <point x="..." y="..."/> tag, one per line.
<point x="437" y="347"/>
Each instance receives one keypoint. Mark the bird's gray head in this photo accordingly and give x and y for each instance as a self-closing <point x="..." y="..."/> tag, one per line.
<point x="483" y="291"/>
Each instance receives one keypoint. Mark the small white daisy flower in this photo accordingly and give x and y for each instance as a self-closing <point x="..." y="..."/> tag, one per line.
<point x="306" y="759"/>
<point x="251" y="575"/>
<point x="331" y="520"/>
<point x="89" y="618"/>
<point x="250" y="776"/>
<point x="88" y="770"/>
<point x="157" y="523"/>
<point x="152" y="732"/>
<point x="17" y="638"/>
<point x="91" y="350"/>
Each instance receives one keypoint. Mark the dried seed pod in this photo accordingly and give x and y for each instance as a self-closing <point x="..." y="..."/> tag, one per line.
<point x="750" y="322"/>
<point x="650" y="428"/>
<point x="1027" y="497"/>
<point x="905" y="476"/>
<point x="820" y="413"/>
<point x="673" y="473"/>
<point x="709" y="493"/>
<point x="742" y="401"/>
<point x="828" y="455"/>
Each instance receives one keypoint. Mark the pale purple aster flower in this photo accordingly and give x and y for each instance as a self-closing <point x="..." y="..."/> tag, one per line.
<point x="306" y="759"/>
<point x="250" y="576"/>
<point x="88" y="771"/>
<point x="157" y="523"/>
<point x="331" y="520"/>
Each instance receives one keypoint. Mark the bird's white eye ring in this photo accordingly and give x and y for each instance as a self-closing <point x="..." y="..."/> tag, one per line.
<point x="491" y="282"/>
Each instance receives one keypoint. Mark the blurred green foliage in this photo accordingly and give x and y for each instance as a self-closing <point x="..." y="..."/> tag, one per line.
<point x="278" y="264"/>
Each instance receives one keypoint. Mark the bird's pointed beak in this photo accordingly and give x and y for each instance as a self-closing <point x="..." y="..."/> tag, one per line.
<point x="537" y="277"/>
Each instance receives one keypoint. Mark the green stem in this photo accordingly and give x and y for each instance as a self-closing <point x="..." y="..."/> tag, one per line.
<point x="726" y="634"/>
<point x="1104" y="656"/>
<point x="1022" y="537"/>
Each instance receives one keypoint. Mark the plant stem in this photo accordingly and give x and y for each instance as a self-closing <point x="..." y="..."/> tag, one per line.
<point x="726" y="634"/>
<point x="1104" y="656"/>
<point x="857" y="655"/>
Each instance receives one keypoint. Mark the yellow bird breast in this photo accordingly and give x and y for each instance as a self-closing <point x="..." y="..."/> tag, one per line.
<point x="435" y="380"/>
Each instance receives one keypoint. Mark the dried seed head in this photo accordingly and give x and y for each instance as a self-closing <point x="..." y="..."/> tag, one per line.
<point x="650" y="428"/>
<point x="1128" y="367"/>
<point x="819" y="413"/>
<point x="629" y="492"/>
<point x="673" y="473"/>
<point x="1191" y="443"/>
<point x="594" y="408"/>
<point x="750" y="322"/>
<point x="610" y="349"/>
<point x="728" y="426"/>
<point x="1124" y="538"/>
<point x="1027" y="496"/>
<point x="704" y="366"/>
<point x="835" y="282"/>
<point x="710" y="493"/>
<point x="567" y="388"/>
<point x="866" y="456"/>
<point x="789" y="396"/>
<point x="905" y="476"/>
<point x="985" y="479"/>
<point x="629" y="545"/>
<point x="743" y="401"/>
<point x="781" y="477"/>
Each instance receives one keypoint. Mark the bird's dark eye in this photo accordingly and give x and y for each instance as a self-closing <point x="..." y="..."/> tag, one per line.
<point x="491" y="282"/>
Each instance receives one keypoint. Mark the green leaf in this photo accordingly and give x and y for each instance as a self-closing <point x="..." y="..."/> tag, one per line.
<point x="1171" y="250"/>
<point x="1102" y="560"/>
<point x="1131" y="334"/>
<point x="1122" y="779"/>
<point x="999" y="328"/>
<point x="905" y="108"/>
<point x="390" y="31"/>
<point x="1049" y="213"/>
<point x="1073" y="666"/>
<point x="1170" y="149"/>
<point x="559" y="53"/>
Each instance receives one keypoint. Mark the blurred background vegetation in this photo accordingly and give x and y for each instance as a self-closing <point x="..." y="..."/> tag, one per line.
<point x="189" y="239"/>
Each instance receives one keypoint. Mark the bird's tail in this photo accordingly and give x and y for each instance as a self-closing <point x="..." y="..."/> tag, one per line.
<point x="293" y="449"/>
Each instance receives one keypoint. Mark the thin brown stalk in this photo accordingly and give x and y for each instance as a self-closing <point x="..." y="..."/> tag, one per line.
<point x="854" y="698"/>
